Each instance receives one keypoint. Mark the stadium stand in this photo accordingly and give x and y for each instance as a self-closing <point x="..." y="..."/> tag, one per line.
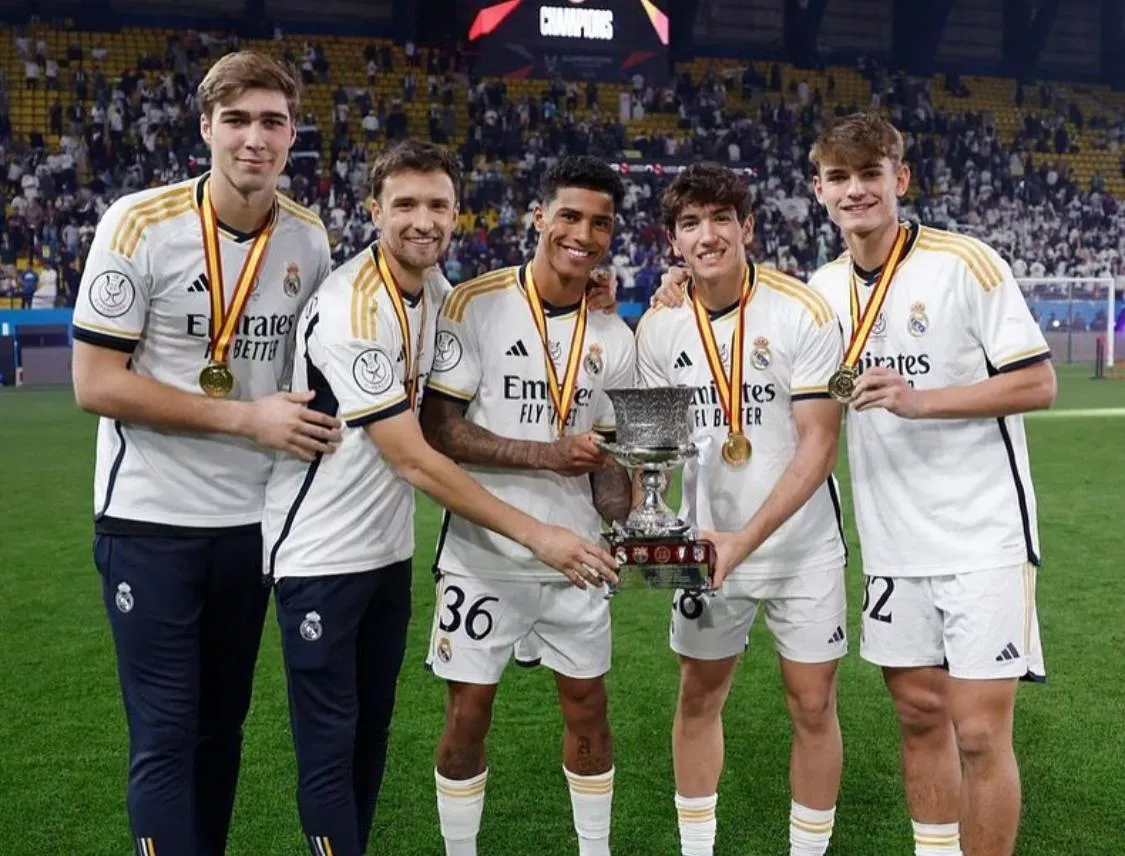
<point x="1033" y="168"/>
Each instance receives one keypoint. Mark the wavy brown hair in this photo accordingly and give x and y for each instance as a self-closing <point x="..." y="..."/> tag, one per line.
<point x="704" y="183"/>
<point x="238" y="72"/>
<point x="856" y="141"/>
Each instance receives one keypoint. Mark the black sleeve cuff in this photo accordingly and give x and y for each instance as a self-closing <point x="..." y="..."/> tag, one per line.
<point x="386" y="413"/>
<point x="809" y="396"/>
<point x="1025" y="362"/>
<point x="103" y="340"/>
<point x="447" y="396"/>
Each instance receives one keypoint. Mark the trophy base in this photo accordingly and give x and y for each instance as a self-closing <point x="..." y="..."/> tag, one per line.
<point x="662" y="562"/>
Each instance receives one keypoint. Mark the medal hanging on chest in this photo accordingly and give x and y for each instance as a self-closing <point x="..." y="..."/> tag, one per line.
<point x="841" y="385"/>
<point x="736" y="449"/>
<point x="562" y="393"/>
<point x="216" y="378"/>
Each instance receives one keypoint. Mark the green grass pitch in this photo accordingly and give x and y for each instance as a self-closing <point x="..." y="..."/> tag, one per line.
<point x="62" y="734"/>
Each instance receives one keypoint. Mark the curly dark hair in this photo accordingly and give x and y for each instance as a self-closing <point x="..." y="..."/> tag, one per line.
<point x="585" y="172"/>
<point x="417" y="155"/>
<point x="704" y="183"/>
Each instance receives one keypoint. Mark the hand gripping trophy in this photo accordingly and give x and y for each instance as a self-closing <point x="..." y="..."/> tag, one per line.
<point x="655" y="547"/>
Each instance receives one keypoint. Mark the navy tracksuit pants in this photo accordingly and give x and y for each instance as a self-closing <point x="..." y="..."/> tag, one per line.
<point x="186" y="615"/>
<point x="343" y="637"/>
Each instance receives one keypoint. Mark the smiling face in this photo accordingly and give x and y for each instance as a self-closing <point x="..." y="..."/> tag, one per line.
<point x="249" y="136"/>
<point x="711" y="240"/>
<point x="415" y="214"/>
<point x="861" y="198"/>
<point x="575" y="230"/>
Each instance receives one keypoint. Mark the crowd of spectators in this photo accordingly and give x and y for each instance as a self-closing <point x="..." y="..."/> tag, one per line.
<point x="119" y="135"/>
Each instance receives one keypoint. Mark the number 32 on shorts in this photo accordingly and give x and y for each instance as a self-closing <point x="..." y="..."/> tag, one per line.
<point x="477" y="620"/>
<point x="878" y="610"/>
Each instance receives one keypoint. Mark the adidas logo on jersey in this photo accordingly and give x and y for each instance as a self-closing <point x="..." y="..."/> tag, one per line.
<point x="1009" y="653"/>
<point x="683" y="361"/>
<point x="517" y="350"/>
<point x="838" y="636"/>
<point x="199" y="284"/>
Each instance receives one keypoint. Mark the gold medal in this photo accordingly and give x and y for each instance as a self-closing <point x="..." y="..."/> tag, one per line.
<point x="841" y="386"/>
<point x="736" y="449"/>
<point x="217" y="380"/>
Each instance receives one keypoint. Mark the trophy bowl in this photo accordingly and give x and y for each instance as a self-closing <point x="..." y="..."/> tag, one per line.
<point x="654" y="547"/>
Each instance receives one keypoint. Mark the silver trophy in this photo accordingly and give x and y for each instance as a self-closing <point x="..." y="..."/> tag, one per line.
<point x="654" y="546"/>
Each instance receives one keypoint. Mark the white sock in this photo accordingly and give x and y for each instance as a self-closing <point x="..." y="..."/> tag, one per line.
<point x="591" y="800"/>
<point x="697" y="824"/>
<point x="810" y="830"/>
<point x="936" y="839"/>
<point x="460" y="805"/>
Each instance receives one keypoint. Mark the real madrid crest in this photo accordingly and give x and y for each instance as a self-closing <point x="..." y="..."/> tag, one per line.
<point x="124" y="598"/>
<point x="311" y="628"/>
<point x="760" y="357"/>
<point x="444" y="649"/>
<point x="593" y="363"/>
<point x="918" y="323"/>
<point x="292" y="281"/>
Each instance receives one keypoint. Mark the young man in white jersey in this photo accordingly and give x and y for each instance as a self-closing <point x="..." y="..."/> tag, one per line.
<point x="339" y="532"/>
<point x="758" y="348"/>
<point x="183" y="327"/>
<point x="943" y="358"/>
<point x="518" y="396"/>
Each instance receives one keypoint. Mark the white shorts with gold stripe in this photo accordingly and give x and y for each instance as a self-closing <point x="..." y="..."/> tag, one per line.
<point x="480" y="623"/>
<point x="981" y="625"/>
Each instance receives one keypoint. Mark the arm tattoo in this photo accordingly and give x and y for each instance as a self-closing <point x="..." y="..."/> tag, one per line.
<point x="613" y="493"/>
<point x="447" y="430"/>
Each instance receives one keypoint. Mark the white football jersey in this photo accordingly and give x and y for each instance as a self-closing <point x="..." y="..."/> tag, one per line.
<point x="941" y="496"/>
<point x="349" y="511"/>
<point x="489" y="355"/>
<point x="791" y="347"/>
<point x="145" y="292"/>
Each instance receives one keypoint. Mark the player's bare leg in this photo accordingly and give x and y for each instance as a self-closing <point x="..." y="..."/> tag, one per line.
<point x="931" y="766"/>
<point x="461" y="768"/>
<point x="697" y="748"/>
<point x="818" y="748"/>
<point x="982" y="713"/>
<point x="697" y="733"/>
<point x="587" y="760"/>
<point x="817" y="756"/>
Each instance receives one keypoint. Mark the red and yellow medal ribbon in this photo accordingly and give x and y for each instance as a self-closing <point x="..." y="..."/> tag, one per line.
<point x="225" y="318"/>
<point x="863" y="324"/>
<point x="412" y="351"/>
<point x="562" y="395"/>
<point x="728" y="388"/>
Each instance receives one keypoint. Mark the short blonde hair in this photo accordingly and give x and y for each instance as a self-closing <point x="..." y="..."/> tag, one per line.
<point x="235" y="73"/>
<point x="857" y="140"/>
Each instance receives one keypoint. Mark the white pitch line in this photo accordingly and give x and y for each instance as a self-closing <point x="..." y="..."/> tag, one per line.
<point x="1077" y="413"/>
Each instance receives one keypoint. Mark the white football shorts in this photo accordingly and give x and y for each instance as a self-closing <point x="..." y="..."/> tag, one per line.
<point x="479" y="622"/>
<point x="806" y="614"/>
<point x="980" y="625"/>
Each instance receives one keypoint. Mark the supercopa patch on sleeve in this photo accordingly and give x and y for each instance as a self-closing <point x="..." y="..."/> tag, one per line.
<point x="447" y="352"/>
<point x="112" y="294"/>
<point x="373" y="371"/>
